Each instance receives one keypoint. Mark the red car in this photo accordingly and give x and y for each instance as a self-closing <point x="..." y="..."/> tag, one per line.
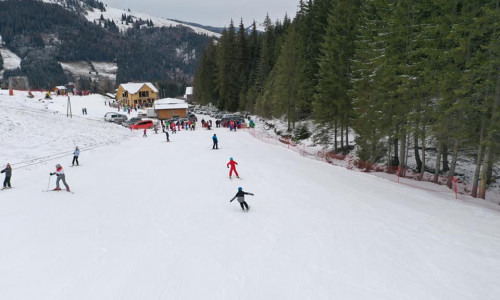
<point x="144" y="124"/>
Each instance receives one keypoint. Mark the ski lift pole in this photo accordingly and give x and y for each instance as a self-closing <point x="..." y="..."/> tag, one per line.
<point x="68" y="109"/>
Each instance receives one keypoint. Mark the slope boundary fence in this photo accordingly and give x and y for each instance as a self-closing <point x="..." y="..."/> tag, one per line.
<point x="409" y="177"/>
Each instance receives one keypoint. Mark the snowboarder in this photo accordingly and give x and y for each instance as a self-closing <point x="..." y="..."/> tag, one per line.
<point x="216" y="142"/>
<point x="8" y="174"/>
<point x="240" y="195"/>
<point x="233" y="164"/>
<point x="60" y="176"/>
<point x="75" y="157"/>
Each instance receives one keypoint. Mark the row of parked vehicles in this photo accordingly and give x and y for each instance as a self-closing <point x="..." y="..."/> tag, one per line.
<point x="220" y="115"/>
<point x="133" y="123"/>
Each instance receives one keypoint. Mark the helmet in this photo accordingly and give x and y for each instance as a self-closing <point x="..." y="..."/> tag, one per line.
<point x="240" y="188"/>
<point x="230" y="158"/>
<point x="58" y="166"/>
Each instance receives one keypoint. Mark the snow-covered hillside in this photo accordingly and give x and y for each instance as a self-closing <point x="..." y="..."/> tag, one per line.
<point x="152" y="220"/>
<point x="10" y="60"/>
<point x="92" y="70"/>
<point x="115" y="14"/>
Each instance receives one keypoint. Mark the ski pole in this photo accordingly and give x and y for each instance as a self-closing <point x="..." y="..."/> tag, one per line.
<point x="48" y="185"/>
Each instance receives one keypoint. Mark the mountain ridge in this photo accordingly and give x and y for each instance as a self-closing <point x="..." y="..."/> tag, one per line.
<point x="46" y="33"/>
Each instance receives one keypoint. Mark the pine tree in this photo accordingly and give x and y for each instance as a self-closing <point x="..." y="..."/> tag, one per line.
<point x="205" y="79"/>
<point x="333" y="104"/>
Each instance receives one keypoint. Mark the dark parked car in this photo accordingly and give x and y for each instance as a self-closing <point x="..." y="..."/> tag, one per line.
<point x="120" y="119"/>
<point x="192" y="117"/>
<point x="131" y="121"/>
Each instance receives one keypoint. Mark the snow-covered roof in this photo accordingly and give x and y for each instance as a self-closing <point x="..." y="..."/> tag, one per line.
<point x="170" y="103"/>
<point x="60" y="87"/>
<point x="133" y="87"/>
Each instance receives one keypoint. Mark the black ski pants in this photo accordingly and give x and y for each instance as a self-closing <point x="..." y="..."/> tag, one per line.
<point x="75" y="159"/>
<point x="6" y="182"/>
<point x="244" y="205"/>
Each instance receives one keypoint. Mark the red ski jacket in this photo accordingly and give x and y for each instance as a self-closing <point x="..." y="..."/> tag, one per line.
<point x="232" y="163"/>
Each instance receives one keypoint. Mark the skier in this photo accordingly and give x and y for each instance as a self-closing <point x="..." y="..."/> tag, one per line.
<point x="60" y="176"/>
<point x="75" y="157"/>
<point x="166" y="133"/>
<point x="216" y="142"/>
<point x="241" y="198"/>
<point x="233" y="167"/>
<point x="8" y="175"/>
<point x="145" y="133"/>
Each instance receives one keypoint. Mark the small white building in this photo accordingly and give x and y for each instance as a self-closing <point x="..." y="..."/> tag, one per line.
<point x="168" y="108"/>
<point x="189" y="94"/>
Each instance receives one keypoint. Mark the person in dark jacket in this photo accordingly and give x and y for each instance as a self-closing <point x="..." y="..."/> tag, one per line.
<point x="166" y="133"/>
<point x="8" y="174"/>
<point x="216" y="142"/>
<point x="240" y="195"/>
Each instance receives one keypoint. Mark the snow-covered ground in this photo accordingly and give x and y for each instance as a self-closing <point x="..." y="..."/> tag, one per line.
<point x="152" y="220"/>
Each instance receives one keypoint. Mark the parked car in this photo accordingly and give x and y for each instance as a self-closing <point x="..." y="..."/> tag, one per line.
<point x="144" y="124"/>
<point x="107" y="116"/>
<point x="111" y="117"/>
<point x="192" y="117"/>
<point x="131" y="121"/>
<point x="120" y="119"/>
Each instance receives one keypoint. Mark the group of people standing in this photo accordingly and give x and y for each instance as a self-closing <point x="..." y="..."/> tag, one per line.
<point x="59" y="172"/>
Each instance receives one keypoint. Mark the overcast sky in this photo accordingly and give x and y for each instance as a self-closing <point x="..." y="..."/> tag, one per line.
<point x="211" y="12"/>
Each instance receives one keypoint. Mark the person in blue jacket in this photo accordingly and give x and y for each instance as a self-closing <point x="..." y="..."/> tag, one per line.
<point x="240" y="195"/>
<point x="75" y="156"/>
<point x="216" y="142"/>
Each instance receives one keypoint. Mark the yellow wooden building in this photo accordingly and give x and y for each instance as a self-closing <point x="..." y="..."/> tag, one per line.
<point x="136" y="93"/>
<point x="60" y="90"/>
<point x="170" y="107"/>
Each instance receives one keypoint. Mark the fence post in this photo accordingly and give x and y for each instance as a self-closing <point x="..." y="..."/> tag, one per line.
<point x="349" y="165"/>
<point x="398" y="174"/>
<point x="456" y="189"/>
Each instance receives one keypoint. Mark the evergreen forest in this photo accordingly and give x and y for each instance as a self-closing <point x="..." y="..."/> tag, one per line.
<point x="44" y="34"/>
<point x="401" y="75"/>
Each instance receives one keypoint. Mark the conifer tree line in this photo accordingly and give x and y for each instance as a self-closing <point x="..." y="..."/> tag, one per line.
<point x="406" y="78"/>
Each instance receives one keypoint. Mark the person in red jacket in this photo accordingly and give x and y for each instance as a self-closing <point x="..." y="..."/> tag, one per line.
<point x="233" y="164"/>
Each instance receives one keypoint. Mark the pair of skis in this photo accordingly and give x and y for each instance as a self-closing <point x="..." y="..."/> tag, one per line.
<point x="58" y="191"/>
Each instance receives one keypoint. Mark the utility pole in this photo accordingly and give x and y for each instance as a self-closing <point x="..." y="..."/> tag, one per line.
<point x="69" y="113"/>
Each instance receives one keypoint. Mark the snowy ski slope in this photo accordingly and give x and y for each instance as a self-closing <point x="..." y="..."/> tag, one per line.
<point x="152" y="220"/>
